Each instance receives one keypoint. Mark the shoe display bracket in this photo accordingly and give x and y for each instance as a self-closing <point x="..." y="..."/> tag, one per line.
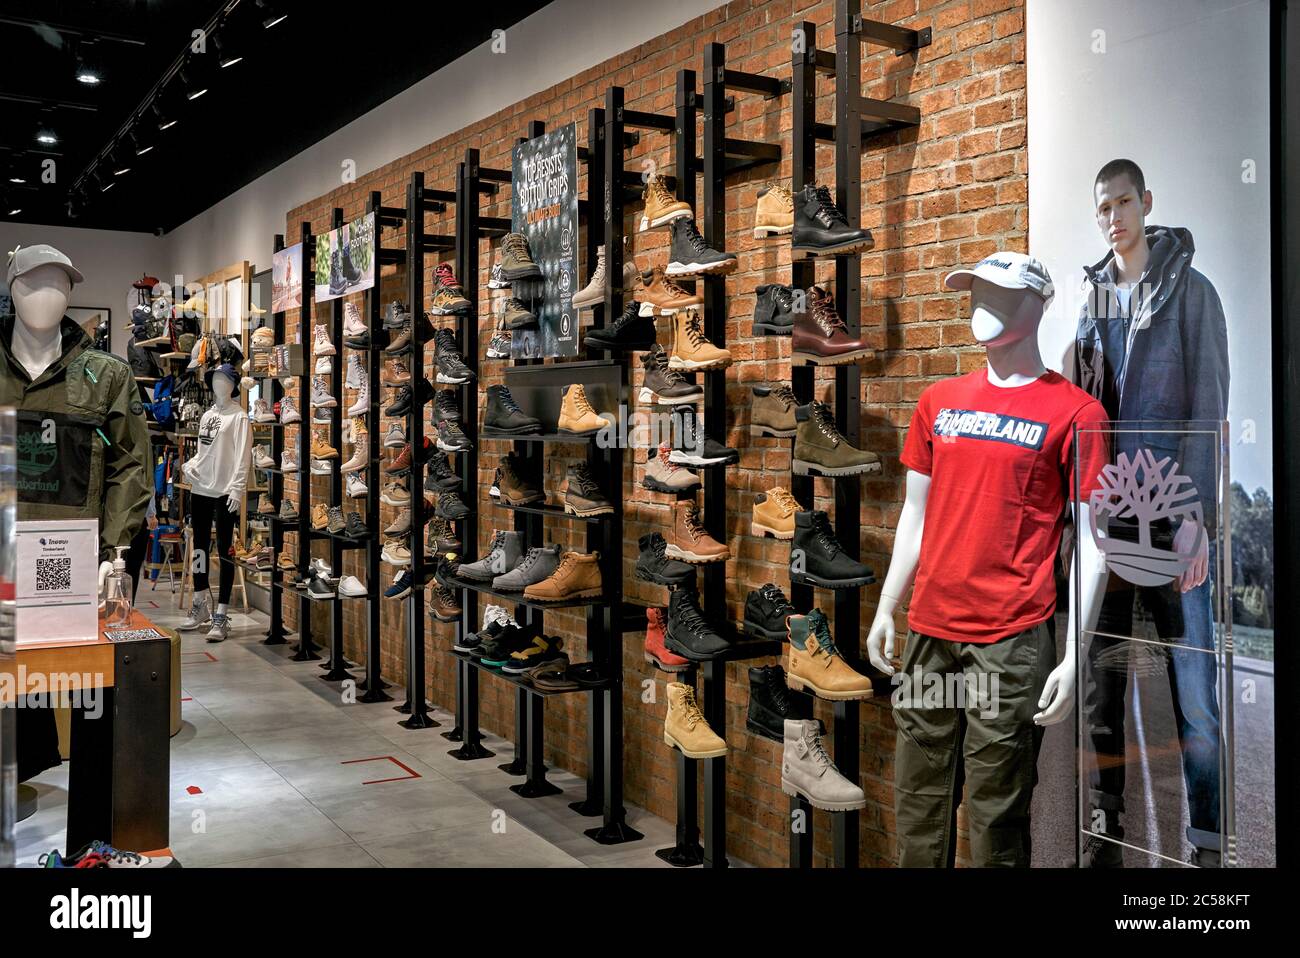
<point x="305" y="650"/>
<point x="275" y="631"/>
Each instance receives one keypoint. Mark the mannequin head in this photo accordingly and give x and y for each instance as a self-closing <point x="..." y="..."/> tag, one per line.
<point x="222" y="389"/>
<point x="40" y="297"/>
<point x="1000" y="316"/>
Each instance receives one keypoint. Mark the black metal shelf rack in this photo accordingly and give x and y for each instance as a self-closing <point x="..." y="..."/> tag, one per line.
<point x="275" y="631"/>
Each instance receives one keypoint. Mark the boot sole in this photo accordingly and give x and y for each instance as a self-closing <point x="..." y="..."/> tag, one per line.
<point x="522" y="272"/>
<point x="445" y="447"/>
<point x="654" y="485"/>
<point x="763" y="232"/>
<point x="661" y="580"/>
<point x="672" y="645"/>
<point x="349" y="467"/>
<point x="759" y="530"/>
<point x="313" y="595"/>
<point x="715" y="753"/>
<point x="517" y="431"/>
<point x="580" y="433"/>
<point x="528" y="501"/>
<point x="842" y="249"/>
<point x="650" y="309"/>
<point x="770" y="329"/>
<point x="394" y="502"/>
<point x="458" y="310"/>
<point x="585" y="513"/>
<point x="193" y="628"/>
<point x="665" y="667"/>
<point x="677" y="457"/>
<point x="682" y="270"/>
<point x="444" y="618"/>
<point x="649" y="396"/>
<point x="798" y="684"/>
<point x="448" y="381"/>
<point x="690" y="365"/>
<point x="521" y="322"/>
<point x="583" y="594"/>
<point x="791" y="790"/>
<point x="758" y="730"/>
<point x="804" y="578"/>
<point x="842" y="360"/>
<point x="663" y="220"/>
<point x="495" y="355"/>
<point x="769" y="432"/>
<point x="676" y="552"/>
<point x="801" y="467"/>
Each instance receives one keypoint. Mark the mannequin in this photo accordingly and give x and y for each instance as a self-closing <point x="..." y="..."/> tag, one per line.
<point x="984" y="610"/>
<point x="217" y="474"/>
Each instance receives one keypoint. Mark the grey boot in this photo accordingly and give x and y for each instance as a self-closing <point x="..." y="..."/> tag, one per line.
<point x="507" y="549"/>
<point x="200" y="613"/>
<point x="807" y="771"/>
<point x="536" y="566"/>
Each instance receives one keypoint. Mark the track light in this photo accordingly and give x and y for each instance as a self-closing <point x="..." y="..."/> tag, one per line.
<point x="192" y="90"/>
<point x="86" y="71"/>
<point x="46" y="137"/>
<point x="16" y="179"/>
<point x="225" y="57"/>
<point x="272" y="15"/>
<point x="140" y="146"/>
<point x="165" y="122"/>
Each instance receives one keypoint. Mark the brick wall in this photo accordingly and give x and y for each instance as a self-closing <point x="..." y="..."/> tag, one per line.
<point x="945" y="194"/>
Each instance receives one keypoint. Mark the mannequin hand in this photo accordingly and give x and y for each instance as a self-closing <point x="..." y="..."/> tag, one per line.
<point x="1058" y="693"/>
<point x="1200" y="564"/>
<point x="880" y="642"/>
<point x="232" y="504"/>
<point x="105" y="568"/>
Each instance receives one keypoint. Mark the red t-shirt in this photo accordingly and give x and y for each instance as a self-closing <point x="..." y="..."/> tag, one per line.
<point x="1000" y="464"/>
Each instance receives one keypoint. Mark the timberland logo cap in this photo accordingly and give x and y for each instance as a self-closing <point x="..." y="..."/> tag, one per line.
<point x="24" y="259"/>
<point x="1009" y="270"/>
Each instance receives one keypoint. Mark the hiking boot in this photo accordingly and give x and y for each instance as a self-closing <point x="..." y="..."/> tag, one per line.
<point x="401" y="463"/>
<point x="695" y="449"/>
<point x="360" y="454"/>
<point x="691" y="348"/>
<point x="577" y="417"/>
<point x="498" y="346"/>
<point x="395" y="371"/>
<point x="320" y="449"/>
<point x="395" y="494"/>
<point x="356" y="487"/>
<point x="512" y="488"/>
<point x="449" y="296"/>
<point x="445" y="407"/>
<point x="653" y="564"/>
<point x="576" y="577"/>
<point x="451" y="368"/>
<point x="287" y="511"/>
<point x="401" y="525"/>
<point x="264" y="507"/>
<point x="220" y="630"/>
<point x="395" y="437"/>
<point x="542" y="649"/>
<point x="772" y="412"/>
<point x="773" y="310"/>
<point x="685" y="727"/>
<point x="808" y="772"/>
<point x="774" y="513"/>
<point x="689" y="633"/>
<point x="517" y="259"/>
<point x="659" y="295"/>
<point x="690" y="255"/>
<point x="629" y="331"/>
<point x="656" y="653"/>
<point x="689" y="541"/>
<point x="200" y="613"/>
<point x="440" y="476"/>
<point x="337" y="523"/>
<point x="820" y="336"/>
<point x="772" y="703"/>
<point x="814" y="664"/>
<point x="320" y="517"/>
<point x="262" y="412"/>
<point x="820" y="229"/>
<point x="538" y="565"/>
<point x="399" y="340"/>
<point x="582" y="495"/>
<point x="593" y="294"/>
<point x="817" y="558"/>
<point x="821" y="450"/>
<point x="356" y="374"/>
<point x="664" y="475"/>
<point x="353" y="324"/>
<point x="289" y="411"/>
<point x="451" y="438"/>
<point x="320" y="395"/>
<point x="288" y="461"/>
<point x="773" y="212"/>
<point x="503" y="417"/>
<point x="395" y="553"/>
<point x="443" y="605"/>
<point x="662" y="383"/>
<point x="356" y="526"/>
<point x="515" y="315"/>
<point x="766" y="609"/>
<point x="324" y="366"/>
<point x="441" y="537"/>
<point x="661" y="207"/>
<point x="320" y="343"/>
<point x="450" y="507"/>
<point x="401" y="403"/>
<point x="362" y="404"/>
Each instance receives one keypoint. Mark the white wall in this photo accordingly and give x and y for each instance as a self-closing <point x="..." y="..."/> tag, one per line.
<point x="111" y="261"/>
<point x="552" y="45"/>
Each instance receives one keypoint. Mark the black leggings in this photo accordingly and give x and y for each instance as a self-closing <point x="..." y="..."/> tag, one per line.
<point x="203" y="509"/>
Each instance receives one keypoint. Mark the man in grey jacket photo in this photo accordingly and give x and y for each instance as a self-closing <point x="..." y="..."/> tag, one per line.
<point x="1152" y="347"/>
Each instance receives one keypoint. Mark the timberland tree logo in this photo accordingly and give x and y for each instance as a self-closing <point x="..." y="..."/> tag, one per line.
<point x="36" y="454"/>
<point x="1144" y="491"/>
<point x="991" y="426"/>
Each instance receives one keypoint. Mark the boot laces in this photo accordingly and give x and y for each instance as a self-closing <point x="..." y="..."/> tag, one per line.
<point x="784" y="500"/>
<point x="693" y="236"/>
<point x="446" y="277"/>
<point x="825" y="535"/>
<point x="530" y="560"/>
<point x="785" y="394"/>
<point x="826" y="205"/>
<point x="689" y="614"/>
<point x="691" y="713"/>
<point x="817" y="750"/>
<point x="694" y="525"/>
<point x="672" y="287"/>
<point x="656" y="186"/>
<point x="581" y="401"/>
<point x="585" y="481"/>
<point x="664" y="452"/>
<point x="508" y="401"/>
<point x="824" y="313"/>
<point x="514" y="243"/>
<point x="695" y="330"/>
<point x="822" y="417"/>
<point x="825" y="641"/>
<point x="514" y="303"/>
<point x="659" y="358"/>
<point x="785" y="199"/>
<point x="774" y="595"/>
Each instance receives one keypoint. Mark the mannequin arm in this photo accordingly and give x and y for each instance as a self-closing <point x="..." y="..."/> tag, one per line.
<point x="902" y="570"/>
<point x="243" y="441"/>
<point x="1085" y="602"/>
<point x="128" y="472"/>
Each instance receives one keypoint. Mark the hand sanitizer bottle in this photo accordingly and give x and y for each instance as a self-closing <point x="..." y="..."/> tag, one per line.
<point x="118" y="590"/>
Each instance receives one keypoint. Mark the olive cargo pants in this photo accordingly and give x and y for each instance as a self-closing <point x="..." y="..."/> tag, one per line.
<point x="964" y="714"/>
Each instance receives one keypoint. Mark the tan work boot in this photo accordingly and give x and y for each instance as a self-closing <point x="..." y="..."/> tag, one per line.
<point x="772" y="412"/>
<point x="659" y="295"/>
<point x="661" y="207"/>
<point x="320" y="517"/>
<point x="688" y="541"/>
<point x="774" y="212"/>
<point x="577" y="417"/>
<point x="320" y="449"/>
<point x="685" y="728"/>
<point x="577" y="577"/>
<point x="691" y="348"/>
<point x="813" y="663"/>
<point x="664" y="475"/>
<point x="774" y="514"/>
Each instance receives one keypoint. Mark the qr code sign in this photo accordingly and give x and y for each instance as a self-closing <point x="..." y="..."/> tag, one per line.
<point x="54" y="575"/>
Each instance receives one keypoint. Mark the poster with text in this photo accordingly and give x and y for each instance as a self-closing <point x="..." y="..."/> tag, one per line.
<point x="345" y="259"/>
<point x="286" y="279"/>
<point x="544" y="209"/>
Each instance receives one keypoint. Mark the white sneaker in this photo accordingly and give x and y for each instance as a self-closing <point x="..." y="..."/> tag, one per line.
<point x="321" y="467"/>
<point x="356" y="372"/>
<point x="321" y="345"/>
<point x="352" y="324"/>
<point x="200" y="614"/>
<point x="356" y="486"/>
<point x="262" y="412"/>
<point x="320" y="395"/>
<point x="323" y="569"/>
<point x="220" y="630"/>
<point x="289" y="411"/>
<point x="497" y="277"/>
<point x="262" y="458"/>
<point x="324" y="366"/>
<point x="362" y="405"/>
<point x="395" y="438"/>
<point x="353" y="588"/>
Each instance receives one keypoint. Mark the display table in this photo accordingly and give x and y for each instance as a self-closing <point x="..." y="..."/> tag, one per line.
<point x="120" y="761"/>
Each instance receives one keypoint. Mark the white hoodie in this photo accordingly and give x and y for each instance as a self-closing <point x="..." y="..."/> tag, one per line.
<point x="219" y="467"/>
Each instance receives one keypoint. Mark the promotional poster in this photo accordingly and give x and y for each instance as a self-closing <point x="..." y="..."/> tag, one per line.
<point x="345" y="260"/>
<point x="286" y="279"/>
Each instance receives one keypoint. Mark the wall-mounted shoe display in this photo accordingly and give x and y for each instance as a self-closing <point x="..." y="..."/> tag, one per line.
<point x="517" y="259"/>
<point x="820" y="229"/>
<point x="817" y="558"/>
<point x="503" y="417"/>
<point x="820" y="449"/>
<point x="448" y="295"/>
<point x="577" y="416"/>
<point x="774" y="513"/>
<point x="661" y="207"/>
<point x="630" y="330"/>
<point x="774" y="310"/>
<point x="820" y="336"/>
<point x="814" y="664"/>
<point x="808" y="772"/>
<point x="685" y="727"/>
<point x="692" y="351"/>
<point x="656" y="653"/>
<point x="664" y="385"/>
<point x="773" y="212"/>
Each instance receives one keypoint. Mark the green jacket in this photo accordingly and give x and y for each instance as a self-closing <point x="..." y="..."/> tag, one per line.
<point x="83" y="443"/>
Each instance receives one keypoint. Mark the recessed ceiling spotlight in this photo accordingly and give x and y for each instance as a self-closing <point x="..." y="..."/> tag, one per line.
<point x="46" y="137"/>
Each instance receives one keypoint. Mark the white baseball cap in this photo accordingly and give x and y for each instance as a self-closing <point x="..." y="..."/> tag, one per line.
<point x="1008" y="270"/>
<point x="24" y="259"/>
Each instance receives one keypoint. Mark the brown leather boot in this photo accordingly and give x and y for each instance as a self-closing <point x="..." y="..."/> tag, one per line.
<point x="577" y="577"/>
<point x="688" y="541"/>
<point x="577" y="417"/>
<point x="820" y="336"/>
<point x="443" y="605"/>
<point x="659" y="295"/>
<point x="692" y="350"/>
